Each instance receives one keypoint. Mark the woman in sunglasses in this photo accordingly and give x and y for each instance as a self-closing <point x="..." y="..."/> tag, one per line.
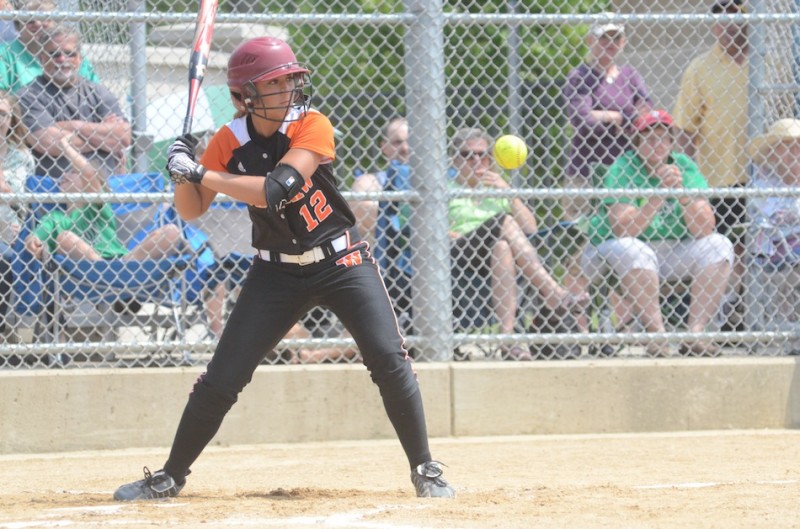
<point x="491" y="234"/>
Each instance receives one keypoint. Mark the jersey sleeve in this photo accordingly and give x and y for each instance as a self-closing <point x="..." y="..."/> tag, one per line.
<point x="313" y="133"/>
<point x="49" y="227"/>
<point x="219" y="150"/>
<point x="692" y="177"/>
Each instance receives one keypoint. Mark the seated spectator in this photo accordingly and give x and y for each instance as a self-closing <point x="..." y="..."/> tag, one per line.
<point x="16" y="165"/>
<point x="89" y="231"/>
<point x="603" y="97"/>
<point x="647" y="240"/>
<point x="505" y="244"/>
<point x="776" y="155"/>
<point x="19" y="59"/>
<point x="383" y="224"/>
<point x="491" y="234"/>
<point x="61" y="104"/>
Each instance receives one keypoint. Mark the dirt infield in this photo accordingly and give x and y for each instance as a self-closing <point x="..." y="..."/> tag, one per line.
<point x="708" y="479"/>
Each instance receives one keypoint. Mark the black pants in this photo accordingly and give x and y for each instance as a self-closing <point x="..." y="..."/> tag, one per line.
<point x="273" y="298"/>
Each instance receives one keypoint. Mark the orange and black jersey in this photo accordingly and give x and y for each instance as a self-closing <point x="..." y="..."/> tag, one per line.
<point x="315" y="215"/>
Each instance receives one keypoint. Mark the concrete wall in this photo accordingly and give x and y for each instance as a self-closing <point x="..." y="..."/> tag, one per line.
<point x="51" y="411"/>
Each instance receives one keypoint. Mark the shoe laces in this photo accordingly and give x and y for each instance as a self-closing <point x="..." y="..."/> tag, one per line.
<point x="151" y="479"/>
<point x="432" y="470"/>
<point x="148" y="476"/>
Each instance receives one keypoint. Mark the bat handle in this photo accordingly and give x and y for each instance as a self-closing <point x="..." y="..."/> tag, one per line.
<point x="187" y="125"/>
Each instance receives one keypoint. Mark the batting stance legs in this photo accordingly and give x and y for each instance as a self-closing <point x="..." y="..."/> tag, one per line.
<point x="274" y="297"/>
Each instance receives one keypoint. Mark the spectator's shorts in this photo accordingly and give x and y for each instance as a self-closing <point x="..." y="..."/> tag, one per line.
<point x="671" y="259"/>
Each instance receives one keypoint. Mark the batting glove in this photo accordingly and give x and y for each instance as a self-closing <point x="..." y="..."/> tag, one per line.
<point x="181" y="165"/>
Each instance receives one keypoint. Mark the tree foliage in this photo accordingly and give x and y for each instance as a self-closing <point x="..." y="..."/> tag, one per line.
<point x="364" y="90"/>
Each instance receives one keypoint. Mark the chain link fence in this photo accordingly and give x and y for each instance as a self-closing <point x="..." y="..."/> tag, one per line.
<point x="657" y="212"/>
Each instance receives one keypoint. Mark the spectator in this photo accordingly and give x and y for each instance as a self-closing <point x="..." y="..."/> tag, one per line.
<point x="776" y="155"/>
<point x="491" y="234"/>
<point x="317" y="356"/>
<point x="19" y="59"/>
<point x="495" y="256"/>
<point x="8" y="31"/>
<point x="394" y="148"/>
<point x="602" y="99"/>
<point x="711" y="110"/>
<point x="16" y="164"/>
<point x="646" y="240"/>
<point x="61" y="104"/>
<point x="88" y="231"/>
<point x="384" y="224"/>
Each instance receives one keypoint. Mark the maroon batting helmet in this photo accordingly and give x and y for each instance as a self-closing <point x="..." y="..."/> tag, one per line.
<point x="260" y="59"/>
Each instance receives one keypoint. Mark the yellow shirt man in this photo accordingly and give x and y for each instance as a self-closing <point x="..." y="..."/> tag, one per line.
<point x="712" y="106"/>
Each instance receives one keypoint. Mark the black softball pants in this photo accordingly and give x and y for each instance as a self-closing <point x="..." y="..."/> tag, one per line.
<point x="273" y="298"/>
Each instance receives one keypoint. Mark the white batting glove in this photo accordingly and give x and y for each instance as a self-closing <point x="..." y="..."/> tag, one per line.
<point x="180" y="162"/>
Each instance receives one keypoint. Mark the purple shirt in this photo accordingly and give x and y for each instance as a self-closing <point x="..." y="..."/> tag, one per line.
<point x="586" y="89"/>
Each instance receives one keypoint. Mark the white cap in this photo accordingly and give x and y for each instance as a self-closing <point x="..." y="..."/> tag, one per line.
<point x="599" y="29"/>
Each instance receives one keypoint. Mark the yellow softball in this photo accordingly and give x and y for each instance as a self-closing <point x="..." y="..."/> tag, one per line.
<point x="510" y="151"/>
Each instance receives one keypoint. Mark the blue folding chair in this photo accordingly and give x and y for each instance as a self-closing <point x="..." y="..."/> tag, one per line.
<point x="116" y="290"/>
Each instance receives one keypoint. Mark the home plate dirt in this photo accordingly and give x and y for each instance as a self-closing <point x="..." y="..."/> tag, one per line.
<point x="715" y="479"/>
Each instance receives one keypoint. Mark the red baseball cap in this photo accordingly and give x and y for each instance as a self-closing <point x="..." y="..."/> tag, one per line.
<point x="651" y="119"/>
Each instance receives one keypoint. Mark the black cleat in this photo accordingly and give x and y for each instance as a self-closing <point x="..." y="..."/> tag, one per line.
<point x="427" y="479"/>
<point x="153" y="486"/>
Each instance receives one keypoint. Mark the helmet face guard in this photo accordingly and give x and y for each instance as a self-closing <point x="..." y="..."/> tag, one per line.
<point x="301" y="95"/>
<point x="264" y="59"/>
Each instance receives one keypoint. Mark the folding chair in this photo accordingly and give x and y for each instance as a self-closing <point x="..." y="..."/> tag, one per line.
<point x="227" y="226"/>
<point x="110" y="295"/>
<point x="773" y="263"/>
<point x="228" y="231"/>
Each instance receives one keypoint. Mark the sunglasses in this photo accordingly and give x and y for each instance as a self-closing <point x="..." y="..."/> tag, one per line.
<point x="468" y="154"/>
<point x="57" y="54"/>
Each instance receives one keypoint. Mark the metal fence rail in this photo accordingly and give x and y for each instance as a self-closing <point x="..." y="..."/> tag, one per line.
<point x="499" y="67"/>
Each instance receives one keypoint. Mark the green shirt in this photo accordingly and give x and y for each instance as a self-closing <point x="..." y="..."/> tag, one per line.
<point x="467" y="214"/>
<point x="94" y="223"/>
<point x="18" y="67"/>
<point x="628" y="172"/>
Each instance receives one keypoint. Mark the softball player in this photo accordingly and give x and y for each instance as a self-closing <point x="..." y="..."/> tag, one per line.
<point x="276" y="155"/>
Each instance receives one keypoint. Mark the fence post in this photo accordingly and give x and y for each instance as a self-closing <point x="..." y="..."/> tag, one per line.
<point x="139" y="90"/>
<point x="425" y="100"/>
